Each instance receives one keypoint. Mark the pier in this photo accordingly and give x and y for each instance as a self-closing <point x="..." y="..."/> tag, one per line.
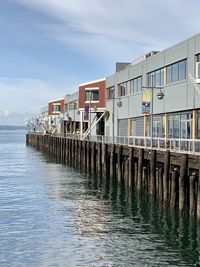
<point x="171" y="177"/>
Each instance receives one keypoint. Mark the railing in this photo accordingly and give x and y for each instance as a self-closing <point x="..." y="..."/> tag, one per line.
<point x="189" y="146"/>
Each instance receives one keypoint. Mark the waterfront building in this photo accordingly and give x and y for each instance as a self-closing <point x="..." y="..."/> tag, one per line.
<point x="176" y="106"/>
<point x="71" y="114"/>
<point x="92" y="107"/>
<point x="55" y="114"/>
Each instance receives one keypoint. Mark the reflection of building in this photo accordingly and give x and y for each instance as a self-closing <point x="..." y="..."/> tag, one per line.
<point x="92" y="106"/>
<point x="177" y="115"/>
<point x="55" y="113"/>
<point x="71" y="115"/>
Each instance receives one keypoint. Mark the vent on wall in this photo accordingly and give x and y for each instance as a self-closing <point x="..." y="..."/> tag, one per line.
<point x="198" y="72"/>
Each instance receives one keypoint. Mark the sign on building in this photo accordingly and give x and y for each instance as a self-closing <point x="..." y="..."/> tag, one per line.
<point x="86" y="113"/>
<point x="146" y="101"/>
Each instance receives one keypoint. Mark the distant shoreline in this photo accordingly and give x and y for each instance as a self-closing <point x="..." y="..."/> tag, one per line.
<point x="11" y="127"/>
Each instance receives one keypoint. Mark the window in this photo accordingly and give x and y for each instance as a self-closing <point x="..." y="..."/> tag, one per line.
<point x="72" y="105"/>
<point x="198" y="57"/>
<point x="155" y="78"/>
<point x="136" y="85"/>
<point x="110" y="92"/>
<point x="176" y="71"/>
<point x="56" y="108"/>
<point x="92" y="95"/>
<point x="123" y="89"/>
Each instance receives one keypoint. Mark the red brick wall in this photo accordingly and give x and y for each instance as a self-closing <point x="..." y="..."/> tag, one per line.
<point x="102" y="88"/>
<point x="50" y="107"/>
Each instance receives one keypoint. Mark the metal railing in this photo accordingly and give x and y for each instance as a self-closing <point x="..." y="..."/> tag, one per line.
<point x="189" y="146"/>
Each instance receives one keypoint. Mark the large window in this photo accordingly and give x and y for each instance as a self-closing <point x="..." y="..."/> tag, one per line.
<point x="198" y="57"/>
<point x="92" y="95"/>
<point x="136" y="85"/>
<point x="180" y="126"/>
<point x="176" y="71"/>
<point x="156" y="78"/>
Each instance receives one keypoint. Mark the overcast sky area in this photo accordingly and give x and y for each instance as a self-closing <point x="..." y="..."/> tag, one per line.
<point x="48" y="47"/>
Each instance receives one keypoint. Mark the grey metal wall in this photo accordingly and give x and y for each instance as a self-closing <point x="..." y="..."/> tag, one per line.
<point x="179" y="96"/>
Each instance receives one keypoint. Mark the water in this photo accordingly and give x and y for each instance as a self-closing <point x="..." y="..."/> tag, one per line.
<point x="51" y="215"/>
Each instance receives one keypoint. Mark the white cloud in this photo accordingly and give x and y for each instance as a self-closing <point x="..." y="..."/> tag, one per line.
<point x="119" y="29"/>
<point x="27" y="95"/>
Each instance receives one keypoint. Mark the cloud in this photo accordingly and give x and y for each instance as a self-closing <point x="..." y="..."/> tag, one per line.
<point x="118" y="29"/>
<point x="27" y="95"/>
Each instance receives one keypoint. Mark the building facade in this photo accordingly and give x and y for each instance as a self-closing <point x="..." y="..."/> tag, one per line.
<point x="92" y="107"/>
<point x="129" y="99"/>
<point x="71" y="114"/>
<point x="55" y="115"/>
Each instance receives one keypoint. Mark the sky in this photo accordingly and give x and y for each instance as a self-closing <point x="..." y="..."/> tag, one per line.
<point x="49" y="47"/>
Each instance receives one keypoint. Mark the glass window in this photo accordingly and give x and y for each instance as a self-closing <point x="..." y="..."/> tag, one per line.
<point x="139" y="84"/>
<point x="162" y="77"/>
<point x="175" y="72"/>
<point x="157" y="78"/>
<point x="169" y="74"/>
<point x="198" y="58"/>
<point x="110" y="92"/>
<point x="182" y="70"/>
<point x="92" y="95"/>
<point x="56" y="108"/>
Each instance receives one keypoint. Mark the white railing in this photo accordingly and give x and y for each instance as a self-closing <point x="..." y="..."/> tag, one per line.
<point x="189" y="146"/>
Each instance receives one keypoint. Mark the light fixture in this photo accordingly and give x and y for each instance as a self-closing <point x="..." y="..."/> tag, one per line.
<point x="119" y="103"/>
<point x="160" y="94"/>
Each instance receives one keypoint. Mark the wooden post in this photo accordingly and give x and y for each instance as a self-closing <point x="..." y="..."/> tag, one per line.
<point x="173" y="188"/>
<point x="152" y="172"/>
<point x="198" y="197"/>
<point x="160" y="183"/>
<point x="166" y="176"/>
<point x="135" y="173"/>
<point x="126" y="176"/>
<point x="112" y="162"/>
<point x="84" y="156"/>
<point x="88" y="157"/>
<point x="192" y="201"/>
<point x="105" y="160"/>
<point x="140" y="166"/>
<point x="182" y="178"/>
<point x="119" y="163"/>
<point x="131" y="167"/>
<point x="80" y="155"/>
<point x="93" y="159"/>
<point x="145" y="178"/>
<point x="99" y="161"/>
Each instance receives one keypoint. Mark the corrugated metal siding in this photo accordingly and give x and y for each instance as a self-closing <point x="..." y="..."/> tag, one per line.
<point x="123" y="127"/>
<point x="137" y="126"/>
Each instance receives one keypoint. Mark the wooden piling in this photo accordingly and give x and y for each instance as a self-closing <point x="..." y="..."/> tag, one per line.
<point x="198" y="198"/>
<point x="140" y="166"/>
<point x="166" y="176"/>
<point x="182" y="178"/>
<point x="119" y="164"/>
<point x="192" y="195"/>
<point x="173" y="188"/>
<point x="112" y="162"/>
<point x="99" y="160"/>
<point x="152" y="172"/>
<point x="131" y="174"/>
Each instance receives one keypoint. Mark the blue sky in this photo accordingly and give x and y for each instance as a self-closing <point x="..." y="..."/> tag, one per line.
<point x="48" y="47"/>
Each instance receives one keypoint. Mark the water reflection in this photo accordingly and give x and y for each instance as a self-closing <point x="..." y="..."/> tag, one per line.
<point x="159" y="232"/>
